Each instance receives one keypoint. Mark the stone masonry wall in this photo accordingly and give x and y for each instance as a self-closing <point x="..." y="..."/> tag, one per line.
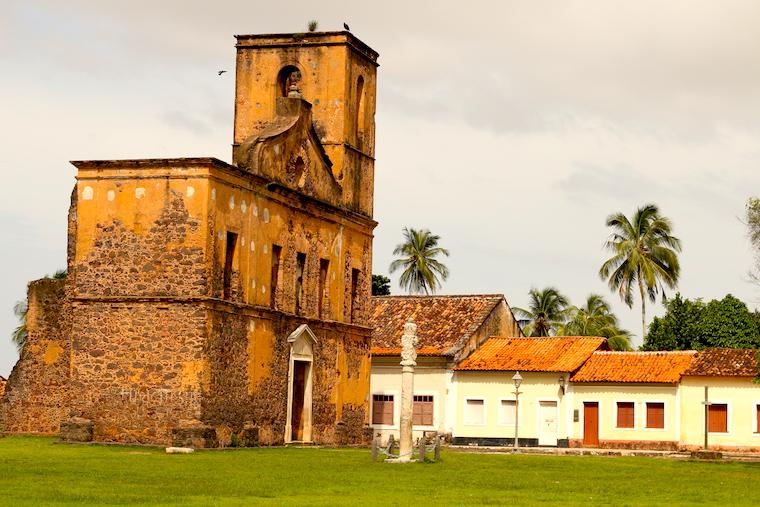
<point x="137" y="368"/>
<point x="160" y="262"/>
<point x="236" y="397"/>
<point x="37" y="391"/>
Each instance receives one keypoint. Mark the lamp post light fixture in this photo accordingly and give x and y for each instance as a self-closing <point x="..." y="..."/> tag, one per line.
<point x="517" y="379"/>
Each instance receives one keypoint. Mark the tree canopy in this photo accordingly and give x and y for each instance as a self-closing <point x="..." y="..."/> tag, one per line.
<point x="691" y="324"/>
<point x="753" y="226"/>
<point x="381" y="285"/>
<point x="595" y="318"/>
<point x="418" y="254"/>
<point x="546" y="312"/>
<point x="644" y="256"/>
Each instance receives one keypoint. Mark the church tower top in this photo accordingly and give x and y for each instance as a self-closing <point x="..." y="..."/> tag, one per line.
<point x="336" y="73"/>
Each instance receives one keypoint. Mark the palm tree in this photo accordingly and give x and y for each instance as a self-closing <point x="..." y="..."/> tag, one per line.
<point x="20" y="334"/>
<point x="596" y="319"/>
<point x="547" y="311"/>
<point x="644" y="254"/>
<point x="422" y="273"/>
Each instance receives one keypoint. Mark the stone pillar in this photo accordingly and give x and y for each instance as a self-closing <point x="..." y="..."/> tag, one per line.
<point x="408" y="362"/>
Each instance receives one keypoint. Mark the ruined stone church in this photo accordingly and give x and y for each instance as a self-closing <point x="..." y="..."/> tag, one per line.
<point x="209" y="303"/>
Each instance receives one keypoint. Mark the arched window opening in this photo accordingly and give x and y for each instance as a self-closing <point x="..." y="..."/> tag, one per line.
<point x="359" y="111"/>
<point x="300" y="168"/>
<point x="289" y="82"/>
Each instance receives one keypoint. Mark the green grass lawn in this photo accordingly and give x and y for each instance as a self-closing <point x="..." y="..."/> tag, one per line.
<point x="37" y="471"/>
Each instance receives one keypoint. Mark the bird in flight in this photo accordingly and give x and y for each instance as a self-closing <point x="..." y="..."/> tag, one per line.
<point x="346" y="27"/>
<point x="221" y="72"/>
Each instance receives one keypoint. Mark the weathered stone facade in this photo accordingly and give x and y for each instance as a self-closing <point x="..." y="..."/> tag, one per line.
<point x="36" y="396"/>
<point x="213" y="303"/>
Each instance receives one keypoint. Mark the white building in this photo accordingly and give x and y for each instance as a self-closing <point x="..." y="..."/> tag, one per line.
<point x="449" y="328"/>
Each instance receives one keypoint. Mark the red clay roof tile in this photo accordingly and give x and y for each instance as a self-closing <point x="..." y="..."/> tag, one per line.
<point x="444" y="323"/>
<point x="725" y="363"/>
<point x="638" y="367"/>
<point x="556" y="353"/>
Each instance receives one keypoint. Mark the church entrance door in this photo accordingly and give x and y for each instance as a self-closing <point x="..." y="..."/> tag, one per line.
<point x="300" y="374"/>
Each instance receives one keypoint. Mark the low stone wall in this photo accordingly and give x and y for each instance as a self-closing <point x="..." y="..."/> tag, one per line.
<point x="653" y="445"/>
<point x="722" y="448"/>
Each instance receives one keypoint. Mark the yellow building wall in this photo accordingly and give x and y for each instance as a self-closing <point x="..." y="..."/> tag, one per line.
<point x="607" y="395"/>
<point x="158" y="229"/>
<point x="740" y="394"/>
<point x="386" y="379"/>
<point x="260" y="221"/>
<point x="331" y="65"/>
<point x="135" y="197"/>
<point x="492" y="387"/>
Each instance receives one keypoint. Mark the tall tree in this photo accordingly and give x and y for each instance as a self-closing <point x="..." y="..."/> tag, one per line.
<point x="546" y="312"/>
<point x="381" y="285"/>
<point x="417" y="256"/>
<point x="20" y="334"/>
<point x="692" y="324"/>
<point x="753" y="226"/>
<point x="644" y="255"/>
<point x="679" y="328"/>
<point x="596" y="319"/>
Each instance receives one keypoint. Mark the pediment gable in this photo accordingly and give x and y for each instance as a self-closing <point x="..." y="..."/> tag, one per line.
<point x="289" y="152"/>
<point x="302" y="342"/>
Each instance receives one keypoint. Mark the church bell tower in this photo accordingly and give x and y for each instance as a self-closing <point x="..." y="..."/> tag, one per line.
<point x="336" y="73"/>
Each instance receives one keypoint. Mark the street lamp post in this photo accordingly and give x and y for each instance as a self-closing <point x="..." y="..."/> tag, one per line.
<point x="517" y="379"/>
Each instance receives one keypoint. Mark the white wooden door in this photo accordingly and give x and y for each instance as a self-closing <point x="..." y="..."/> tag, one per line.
<point x="547" y="423"/>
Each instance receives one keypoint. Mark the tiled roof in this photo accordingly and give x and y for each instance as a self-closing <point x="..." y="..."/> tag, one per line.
<point x="395" y="351"/>
<point x="655" y="367"/>
<point x="725" y="363"/>
<point x="444" y="323"/>
<point x="556" y="353"/>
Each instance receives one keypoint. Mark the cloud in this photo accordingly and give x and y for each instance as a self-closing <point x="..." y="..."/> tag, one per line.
<point x="512" y="129"/>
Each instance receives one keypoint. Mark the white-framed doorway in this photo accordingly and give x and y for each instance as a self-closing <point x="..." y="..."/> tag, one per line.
<point x="300" y="374"/>
<point x="548" y="422"/>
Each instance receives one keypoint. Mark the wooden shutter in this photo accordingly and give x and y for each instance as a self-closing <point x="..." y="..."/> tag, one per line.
<point x="757" y="418"/>
<point x="382" y="409"/>
<point x="717" y="418"/>
<point x="625" y="414"/>
<point x="655" y="415"/>
<point x="422" y="414"/>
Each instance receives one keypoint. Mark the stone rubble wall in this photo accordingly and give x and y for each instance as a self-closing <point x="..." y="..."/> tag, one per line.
<point x="248" y="360"/>
<point x="37" y="393"/>
<point x="137" y="368"/>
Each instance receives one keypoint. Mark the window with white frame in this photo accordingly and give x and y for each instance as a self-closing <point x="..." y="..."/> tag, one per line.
<point x="507" y="412"/>
<point x="474" y="412"/>
<point x="625" y="414"/>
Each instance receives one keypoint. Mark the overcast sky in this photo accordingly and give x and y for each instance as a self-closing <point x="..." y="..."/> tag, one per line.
<point x="511" y="129"/>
